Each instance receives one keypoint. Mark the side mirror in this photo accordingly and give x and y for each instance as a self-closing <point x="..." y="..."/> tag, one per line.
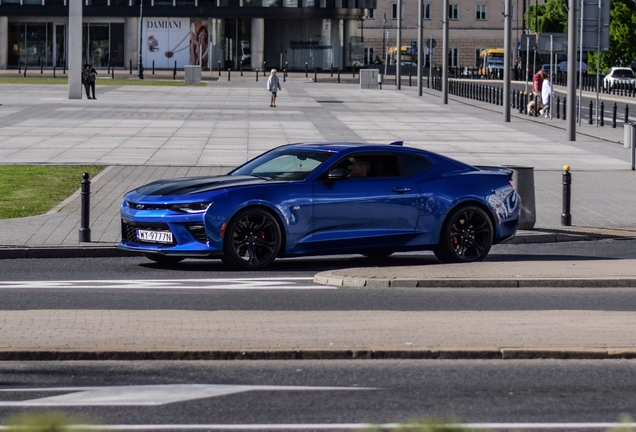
<point x="337" y="174"/>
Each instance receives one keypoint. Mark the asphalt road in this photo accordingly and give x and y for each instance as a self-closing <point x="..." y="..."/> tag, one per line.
<point x="314" y="392"/>
<point x="136" y="283"/>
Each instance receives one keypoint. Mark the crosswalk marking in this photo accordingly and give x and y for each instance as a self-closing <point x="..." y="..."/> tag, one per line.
<point x="285" y="283"/>
<point x="144" y="395"/>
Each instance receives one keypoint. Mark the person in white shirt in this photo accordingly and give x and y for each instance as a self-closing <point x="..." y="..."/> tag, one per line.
<point x="273" y="85"/>
<point x="546" y="93"/>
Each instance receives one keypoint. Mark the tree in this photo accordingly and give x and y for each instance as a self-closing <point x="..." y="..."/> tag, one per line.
<point x="553" y="17"/>
<point x="622" y="44"/>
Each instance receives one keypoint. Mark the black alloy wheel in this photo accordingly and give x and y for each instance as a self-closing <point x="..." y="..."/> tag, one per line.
<point x="466" y="236"/>
<point x="163" y="259"/>
<point x="253" y="239"/>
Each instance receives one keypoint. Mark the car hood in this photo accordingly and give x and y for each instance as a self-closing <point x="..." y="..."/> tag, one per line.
<point x="196" y="185"/>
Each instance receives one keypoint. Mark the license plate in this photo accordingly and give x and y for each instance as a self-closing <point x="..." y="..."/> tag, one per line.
<point x="154" y="236"/>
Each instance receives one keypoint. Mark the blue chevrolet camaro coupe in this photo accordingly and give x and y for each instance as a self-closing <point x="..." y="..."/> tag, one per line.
<point x="321" y="199"/>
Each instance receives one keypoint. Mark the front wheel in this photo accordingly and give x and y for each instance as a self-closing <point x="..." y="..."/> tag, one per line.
<point x="466" y="236"/>
<point x="253" y="240"/>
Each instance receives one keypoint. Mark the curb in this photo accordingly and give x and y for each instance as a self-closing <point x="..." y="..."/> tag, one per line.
<point x="88" y="250"/>
<point x="413" y="354"/>
<point x="334" y="279"/>
<point x="63" y="252"/>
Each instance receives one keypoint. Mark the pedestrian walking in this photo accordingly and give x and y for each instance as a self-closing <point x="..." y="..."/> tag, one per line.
<point x="88" y="79"/>
<point x="273" y="85"/>
<point x="546" y="94"/>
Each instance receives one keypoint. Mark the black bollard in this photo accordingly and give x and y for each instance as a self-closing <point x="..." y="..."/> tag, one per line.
<point x="626" y="114"/>
<point x="410" y="85"/>
<point x="306" y="71"/>
<point x="284" y="75"/>
<point x="338" y="76"/>
<point x="108" y="70"/>
<point x="220" y="68"/>
<point x="602" y="121"/>
<point x="19" y="67"/>
<point x="41" y="67"/>
<point x="558" y="107"/>
<point x="64" y="72"/>
<point x="263" y="69"/>
<point x="53" y="71"/>
<point x="85" y="231"/>
<point x="315" y="75"/>
<point x="566" y="217"/>
<point x="112" y="73"/>
<point x="331" y="70"/>
<point x="565" y="107"/>
<point x="614" y="116"/>
<point x="25" y="69"/>
<point x="130" y="66"/>
<point x="241" y="67"/>
<point x="153" y="67"/>
<point x="174" y="71"/>
<point x="256" y="75"/>
<point x="520" y="101"/>
<point x="228" y="74"/>
<point x="591" y="119"/>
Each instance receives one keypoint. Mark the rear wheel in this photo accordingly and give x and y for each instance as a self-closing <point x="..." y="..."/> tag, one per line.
<point x="163" y="259"/>
<point x="253" y="239"/>
<point x="466" y="236"/>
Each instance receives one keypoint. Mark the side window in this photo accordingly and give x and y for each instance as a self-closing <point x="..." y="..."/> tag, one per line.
<point x="411" y="164"/>
<point x="370" y="165"/>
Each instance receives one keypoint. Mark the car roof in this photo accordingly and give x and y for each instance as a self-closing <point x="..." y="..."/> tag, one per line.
<point x="345" y="147"/>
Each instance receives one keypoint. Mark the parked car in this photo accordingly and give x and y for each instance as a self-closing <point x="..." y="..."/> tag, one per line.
<point x="619" y="75"/>
<point x="555" y="68"/>
<point x="579" y="65"/>
<point x="321" y="199"/>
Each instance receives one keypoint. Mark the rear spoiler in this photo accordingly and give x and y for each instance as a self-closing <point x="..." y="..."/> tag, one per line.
<point x="501" y="169"/>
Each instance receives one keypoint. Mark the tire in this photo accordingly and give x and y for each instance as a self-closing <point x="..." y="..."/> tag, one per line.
<point x="163" y="259"/>
<point x="466" y="236"/>
<point x="253" y="239"/>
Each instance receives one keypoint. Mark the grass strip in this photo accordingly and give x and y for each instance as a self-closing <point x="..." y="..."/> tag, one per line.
<point x="30" y="190"/>
<point x="100" y="81"/>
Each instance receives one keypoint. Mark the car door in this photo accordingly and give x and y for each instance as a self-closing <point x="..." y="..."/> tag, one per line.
<point x="375" y="206"/>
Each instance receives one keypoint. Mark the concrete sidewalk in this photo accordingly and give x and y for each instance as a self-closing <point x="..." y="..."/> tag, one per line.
<point x="146" y="133"/>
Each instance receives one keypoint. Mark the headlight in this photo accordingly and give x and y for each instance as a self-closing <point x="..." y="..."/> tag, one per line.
<point x="191" y="207"/>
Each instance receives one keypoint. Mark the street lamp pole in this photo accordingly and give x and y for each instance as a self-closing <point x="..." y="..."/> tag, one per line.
<point x="384" y="36"/>
<point x="140" y="68"/>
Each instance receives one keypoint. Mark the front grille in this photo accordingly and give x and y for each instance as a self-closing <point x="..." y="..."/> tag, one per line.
<point x="198" y="232"/>
<point x="138" y="206"/>
<point x="128" y="231"/>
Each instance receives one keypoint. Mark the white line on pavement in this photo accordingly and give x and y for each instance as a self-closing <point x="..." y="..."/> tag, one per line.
<point x="351" y="426"/>
<point x="290" y="283"/>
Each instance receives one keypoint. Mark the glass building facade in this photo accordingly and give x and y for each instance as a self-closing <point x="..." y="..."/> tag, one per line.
<point x="232" y="34"/>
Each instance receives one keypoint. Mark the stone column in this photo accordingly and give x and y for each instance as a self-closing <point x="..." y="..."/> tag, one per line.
<point x="4" y="42"/>
<point x="131" y="51"/>
<point x="75" y="49"/>
<point x="257" y="43"/>
<point x="350" y="29"/>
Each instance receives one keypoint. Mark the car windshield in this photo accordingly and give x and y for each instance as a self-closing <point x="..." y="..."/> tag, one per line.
<point x="284" y="164"/>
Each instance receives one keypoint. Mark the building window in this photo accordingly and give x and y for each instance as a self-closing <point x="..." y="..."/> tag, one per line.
<point x="480" y="12"/>
<point x="453" y="57"/>
<point x="453" y="12"/>
<point x="426" y="11"/>
<point x="394" y="14"/>
<point x="513" y="12"/>
<point x="371" y="15"/>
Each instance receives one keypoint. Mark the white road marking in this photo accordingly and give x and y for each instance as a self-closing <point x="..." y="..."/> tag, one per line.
<point x="349" y="426"/>
<point x="144" y="395"/>
<point x="289" y="283"/>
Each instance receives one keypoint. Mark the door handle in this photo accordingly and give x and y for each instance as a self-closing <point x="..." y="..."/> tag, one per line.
<point x="400" y="189"/>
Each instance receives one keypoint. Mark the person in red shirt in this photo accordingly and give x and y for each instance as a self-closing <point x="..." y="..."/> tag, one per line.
<point x="537" y="82"/>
